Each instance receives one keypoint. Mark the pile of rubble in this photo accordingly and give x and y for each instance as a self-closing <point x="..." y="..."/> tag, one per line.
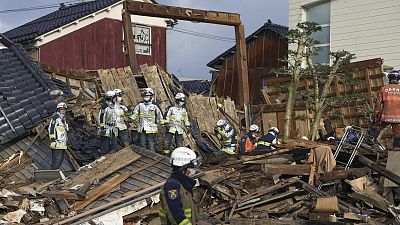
<point x="298" y="182"/>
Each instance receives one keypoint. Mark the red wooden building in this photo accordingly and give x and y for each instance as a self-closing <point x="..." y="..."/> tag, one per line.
<point x="264" y="49"/>
<point x="89" y="35"/>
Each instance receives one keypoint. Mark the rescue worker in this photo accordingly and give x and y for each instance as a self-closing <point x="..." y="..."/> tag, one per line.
<point x="58" y="129"/>
<point x="177" y="204"/>
<point x="249" y="140"/>
<point x="266" y="141"/>
<point x="107" y="120"/>
<point x="176" y="118"/>
<point x="226" y="134"/>
<point x="149" y="115"/>
<point x="387" y="109"/>
<point x="121" y="112"/>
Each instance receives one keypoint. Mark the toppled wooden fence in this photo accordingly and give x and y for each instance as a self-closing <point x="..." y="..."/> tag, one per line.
<point x="370" y="75"/>
<point x="206" y="112"/>
<point x="124" y="79"/>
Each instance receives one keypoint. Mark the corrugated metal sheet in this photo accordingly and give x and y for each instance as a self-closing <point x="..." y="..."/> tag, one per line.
<point x="99" y="46"/>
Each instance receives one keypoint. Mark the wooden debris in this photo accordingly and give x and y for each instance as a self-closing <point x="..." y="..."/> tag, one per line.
<point x="110" y="184"/>
<point x="380" y="169"/>
<point x="286" y="169"/>
<point x="114" y="162"/>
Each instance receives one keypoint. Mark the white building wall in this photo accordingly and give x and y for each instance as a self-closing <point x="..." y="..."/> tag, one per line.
<point x="367" y="28"/>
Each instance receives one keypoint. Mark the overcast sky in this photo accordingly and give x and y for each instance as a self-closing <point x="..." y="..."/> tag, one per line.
<point x="187" y="55"/>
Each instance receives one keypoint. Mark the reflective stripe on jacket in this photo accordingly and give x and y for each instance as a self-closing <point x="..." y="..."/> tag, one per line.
<point x="266" y="141"/>
<point x="177" y="118"/>
<point x="107" y="120"/>
<point x="227" y="136"/>
<point x="121" y="111"/>
<point x="388" y="103"/>
<point x="149" y="116"/>
<point x="58" y="129"/>
<point x="180" y="208"/>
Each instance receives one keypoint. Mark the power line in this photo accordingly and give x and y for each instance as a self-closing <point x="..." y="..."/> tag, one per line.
<point x="203" y="35"/>
<point x="200" y="33"/>
<point x="37" y="7"/>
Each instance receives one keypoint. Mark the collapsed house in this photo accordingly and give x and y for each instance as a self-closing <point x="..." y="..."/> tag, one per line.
<point x="300" y="182"/>
<point x="285" y="186"/>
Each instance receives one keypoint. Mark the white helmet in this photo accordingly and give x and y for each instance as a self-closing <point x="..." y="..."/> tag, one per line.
<point x="254" y="128"/>
<point x="109" y="95"/>
<point x="148" y="92"/>
<point x="182" y="156"/>
<point x="221" y="123"/>
<point x="180" y="96"/>
<point x="118" y="92"/>
<point x="274" y="129"/>
<point x="61" y="105"/>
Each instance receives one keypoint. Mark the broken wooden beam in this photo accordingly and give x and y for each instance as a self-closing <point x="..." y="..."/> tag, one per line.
<point x="171" y="12"/>
<point x="110" y="184"/>
<point x="380" y="169"/>
<point x="344" y="174"/>
<point x="286" y="169"/>
<point x="112" y="162"/>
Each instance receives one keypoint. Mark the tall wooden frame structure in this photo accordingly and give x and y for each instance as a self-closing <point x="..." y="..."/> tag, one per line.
<point x="196" y="15"/>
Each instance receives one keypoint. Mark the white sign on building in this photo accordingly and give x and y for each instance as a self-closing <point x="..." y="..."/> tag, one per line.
<point x="142" y="39"/>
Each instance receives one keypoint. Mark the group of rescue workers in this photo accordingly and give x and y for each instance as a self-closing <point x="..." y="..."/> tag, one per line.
<point x="113" y="129"/>
<point x="177" y="204"/>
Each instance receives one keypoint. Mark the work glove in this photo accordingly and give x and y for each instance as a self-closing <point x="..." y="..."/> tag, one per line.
<point x="53" y="145"/>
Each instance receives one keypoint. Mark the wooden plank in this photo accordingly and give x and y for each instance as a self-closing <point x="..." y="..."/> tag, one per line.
<point x="110" y="184"/>
<point x="153" y="81"/>
<point x="132" y="87"/>
<point x="109" y="165"/>
<point x="344" y="174"/>
<point x="380" y="169"/>
<point x="286" y="169"/>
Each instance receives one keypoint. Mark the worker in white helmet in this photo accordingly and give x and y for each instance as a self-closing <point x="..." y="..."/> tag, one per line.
<point x="121" y="112"/>
<point x="226" y="134"/>
<point x="177" y="119"/>
<point x="107" y="124"/>
<point x="57" y="130"/>
<point x="149" y="116"/>
<point x="249" y="140"/>
<point x="177" y="204"/>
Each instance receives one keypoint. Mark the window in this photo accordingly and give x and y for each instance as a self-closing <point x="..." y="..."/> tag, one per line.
<point x="321" y="14"/>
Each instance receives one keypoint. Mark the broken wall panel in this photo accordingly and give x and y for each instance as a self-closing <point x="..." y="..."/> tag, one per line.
<point x="370" y="75"/>
<point x="204" y="110"/>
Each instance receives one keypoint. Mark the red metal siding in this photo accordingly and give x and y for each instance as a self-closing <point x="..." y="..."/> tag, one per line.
<point x="263" y="55"/>
<point x="99" y="46"/>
